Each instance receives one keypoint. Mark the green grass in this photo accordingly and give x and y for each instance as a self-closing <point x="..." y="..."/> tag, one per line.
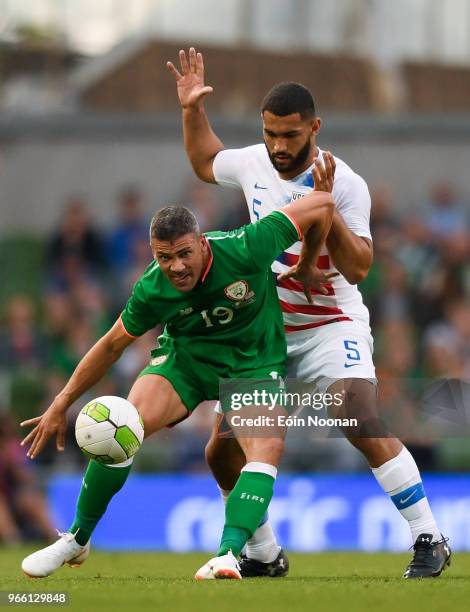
<point x="328" y="581"/>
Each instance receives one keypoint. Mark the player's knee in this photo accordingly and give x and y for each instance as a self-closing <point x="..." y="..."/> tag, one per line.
<point x="366" y="430"/>
<point x="266" y="450"/>
<point x="277" y="448"/>
<point x="375" y="447"/>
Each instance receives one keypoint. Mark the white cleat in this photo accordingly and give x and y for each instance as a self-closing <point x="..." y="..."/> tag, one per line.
<point x="220" y="568"/>
<point x="44" y="562"/>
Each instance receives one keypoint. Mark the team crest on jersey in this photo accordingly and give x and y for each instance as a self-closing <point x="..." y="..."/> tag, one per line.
<point x="237" y="291"/>
<point x="158" y="360"/>
<point x="296" y="195"/>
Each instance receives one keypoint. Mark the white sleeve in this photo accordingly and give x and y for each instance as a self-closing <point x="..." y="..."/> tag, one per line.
<point x="352" y="201"/>
<point x="228" y="167"/>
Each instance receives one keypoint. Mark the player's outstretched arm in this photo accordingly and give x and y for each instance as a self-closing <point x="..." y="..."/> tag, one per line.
<point x="89" y="371"/>
<point x="200" y="141"/>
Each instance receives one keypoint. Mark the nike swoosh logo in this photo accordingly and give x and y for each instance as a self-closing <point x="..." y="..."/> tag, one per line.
<point x="403" y="501"/>
<point x="259" y="186"/>
<point x="351" y="365"/>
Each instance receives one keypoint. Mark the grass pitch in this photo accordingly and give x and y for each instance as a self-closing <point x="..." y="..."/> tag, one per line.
<point x="317" y="582"/>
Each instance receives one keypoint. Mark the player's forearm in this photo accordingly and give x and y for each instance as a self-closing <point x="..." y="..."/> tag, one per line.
<point x="89" y="371"/>
<point x="200" y="142"/>
<point x="312" y="244"/>
<point x="315" y="236"/>
<point x="351" y="254"/>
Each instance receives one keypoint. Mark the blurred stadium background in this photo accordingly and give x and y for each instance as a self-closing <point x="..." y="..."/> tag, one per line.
<point x="91" y="146"/>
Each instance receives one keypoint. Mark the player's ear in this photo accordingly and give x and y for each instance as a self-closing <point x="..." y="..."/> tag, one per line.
<point x="316" y="125"/>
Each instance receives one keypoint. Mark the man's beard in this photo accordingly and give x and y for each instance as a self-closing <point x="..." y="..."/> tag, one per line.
<point x="293" y="162"/>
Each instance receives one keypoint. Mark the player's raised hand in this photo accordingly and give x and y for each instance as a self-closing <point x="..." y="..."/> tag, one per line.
<point x="53" y="421"/>
<point x="190" y="79"/>
<point x="311" y="277"/>
<point x="324" y="174"/>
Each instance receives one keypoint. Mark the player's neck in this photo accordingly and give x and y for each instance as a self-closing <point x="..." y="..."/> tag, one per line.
<point x="287" y="176"/>
<point x="206" y="263"/>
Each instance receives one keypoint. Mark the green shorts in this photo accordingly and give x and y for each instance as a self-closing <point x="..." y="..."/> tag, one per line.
<point x="195" y="381"/>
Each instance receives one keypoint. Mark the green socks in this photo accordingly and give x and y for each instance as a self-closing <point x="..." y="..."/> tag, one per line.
<point x="100" y="484"/>
<point x="246" y="505"/>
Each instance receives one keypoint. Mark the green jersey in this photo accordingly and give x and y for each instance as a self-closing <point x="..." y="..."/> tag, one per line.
<point x="231" y="320"/>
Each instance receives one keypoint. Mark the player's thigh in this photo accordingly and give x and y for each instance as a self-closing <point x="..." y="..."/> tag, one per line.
<point x="157" y="402"/>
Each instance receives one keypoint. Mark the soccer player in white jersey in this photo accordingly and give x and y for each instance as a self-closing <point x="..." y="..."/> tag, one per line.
<point x="326" y="322"/>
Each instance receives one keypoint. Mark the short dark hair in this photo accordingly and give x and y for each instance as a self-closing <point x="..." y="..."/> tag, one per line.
<point x="172" y="222"/>
<point x="289" y="98"/>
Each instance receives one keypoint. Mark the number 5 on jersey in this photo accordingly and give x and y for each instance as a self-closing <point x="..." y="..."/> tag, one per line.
<point x="352" y="353"/>
<point x="254" y="204"/>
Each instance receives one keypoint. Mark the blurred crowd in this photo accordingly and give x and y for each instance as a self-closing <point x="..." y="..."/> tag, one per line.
<point x="418" y="292"/>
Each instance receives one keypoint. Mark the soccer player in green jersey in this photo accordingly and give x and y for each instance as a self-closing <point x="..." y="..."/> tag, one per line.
<point x="216" y="297"/>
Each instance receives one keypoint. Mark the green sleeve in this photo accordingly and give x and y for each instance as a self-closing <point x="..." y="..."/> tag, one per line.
<point x="138" y="317"/>
<point x="269" y="237"/>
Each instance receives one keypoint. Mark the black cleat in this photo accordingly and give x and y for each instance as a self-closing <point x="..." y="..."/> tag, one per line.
<point x="429" y="559"/>
<point x="250" y="568"/>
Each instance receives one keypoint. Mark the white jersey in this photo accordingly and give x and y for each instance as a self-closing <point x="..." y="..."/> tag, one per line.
<point x="251" y="170"/>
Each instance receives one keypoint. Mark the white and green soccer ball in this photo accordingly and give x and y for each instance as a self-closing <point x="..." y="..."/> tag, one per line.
<point x="109" y="429"/>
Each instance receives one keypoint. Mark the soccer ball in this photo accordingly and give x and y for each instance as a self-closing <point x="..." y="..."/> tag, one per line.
<point x="109" y="429"/>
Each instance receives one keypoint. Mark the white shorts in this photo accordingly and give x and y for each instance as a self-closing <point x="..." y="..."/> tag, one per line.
<point x="330" y="353"/>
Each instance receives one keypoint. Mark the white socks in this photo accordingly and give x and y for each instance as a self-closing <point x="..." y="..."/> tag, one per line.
<point x="400" y="478"/>
<point x="262" y="546"/>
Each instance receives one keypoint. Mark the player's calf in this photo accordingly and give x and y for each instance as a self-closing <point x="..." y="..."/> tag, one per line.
<point x="246" y="505"/>
<point x="225" y="458"/>
<point x="224" y="455"/>
<point x="100" y="484"/>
